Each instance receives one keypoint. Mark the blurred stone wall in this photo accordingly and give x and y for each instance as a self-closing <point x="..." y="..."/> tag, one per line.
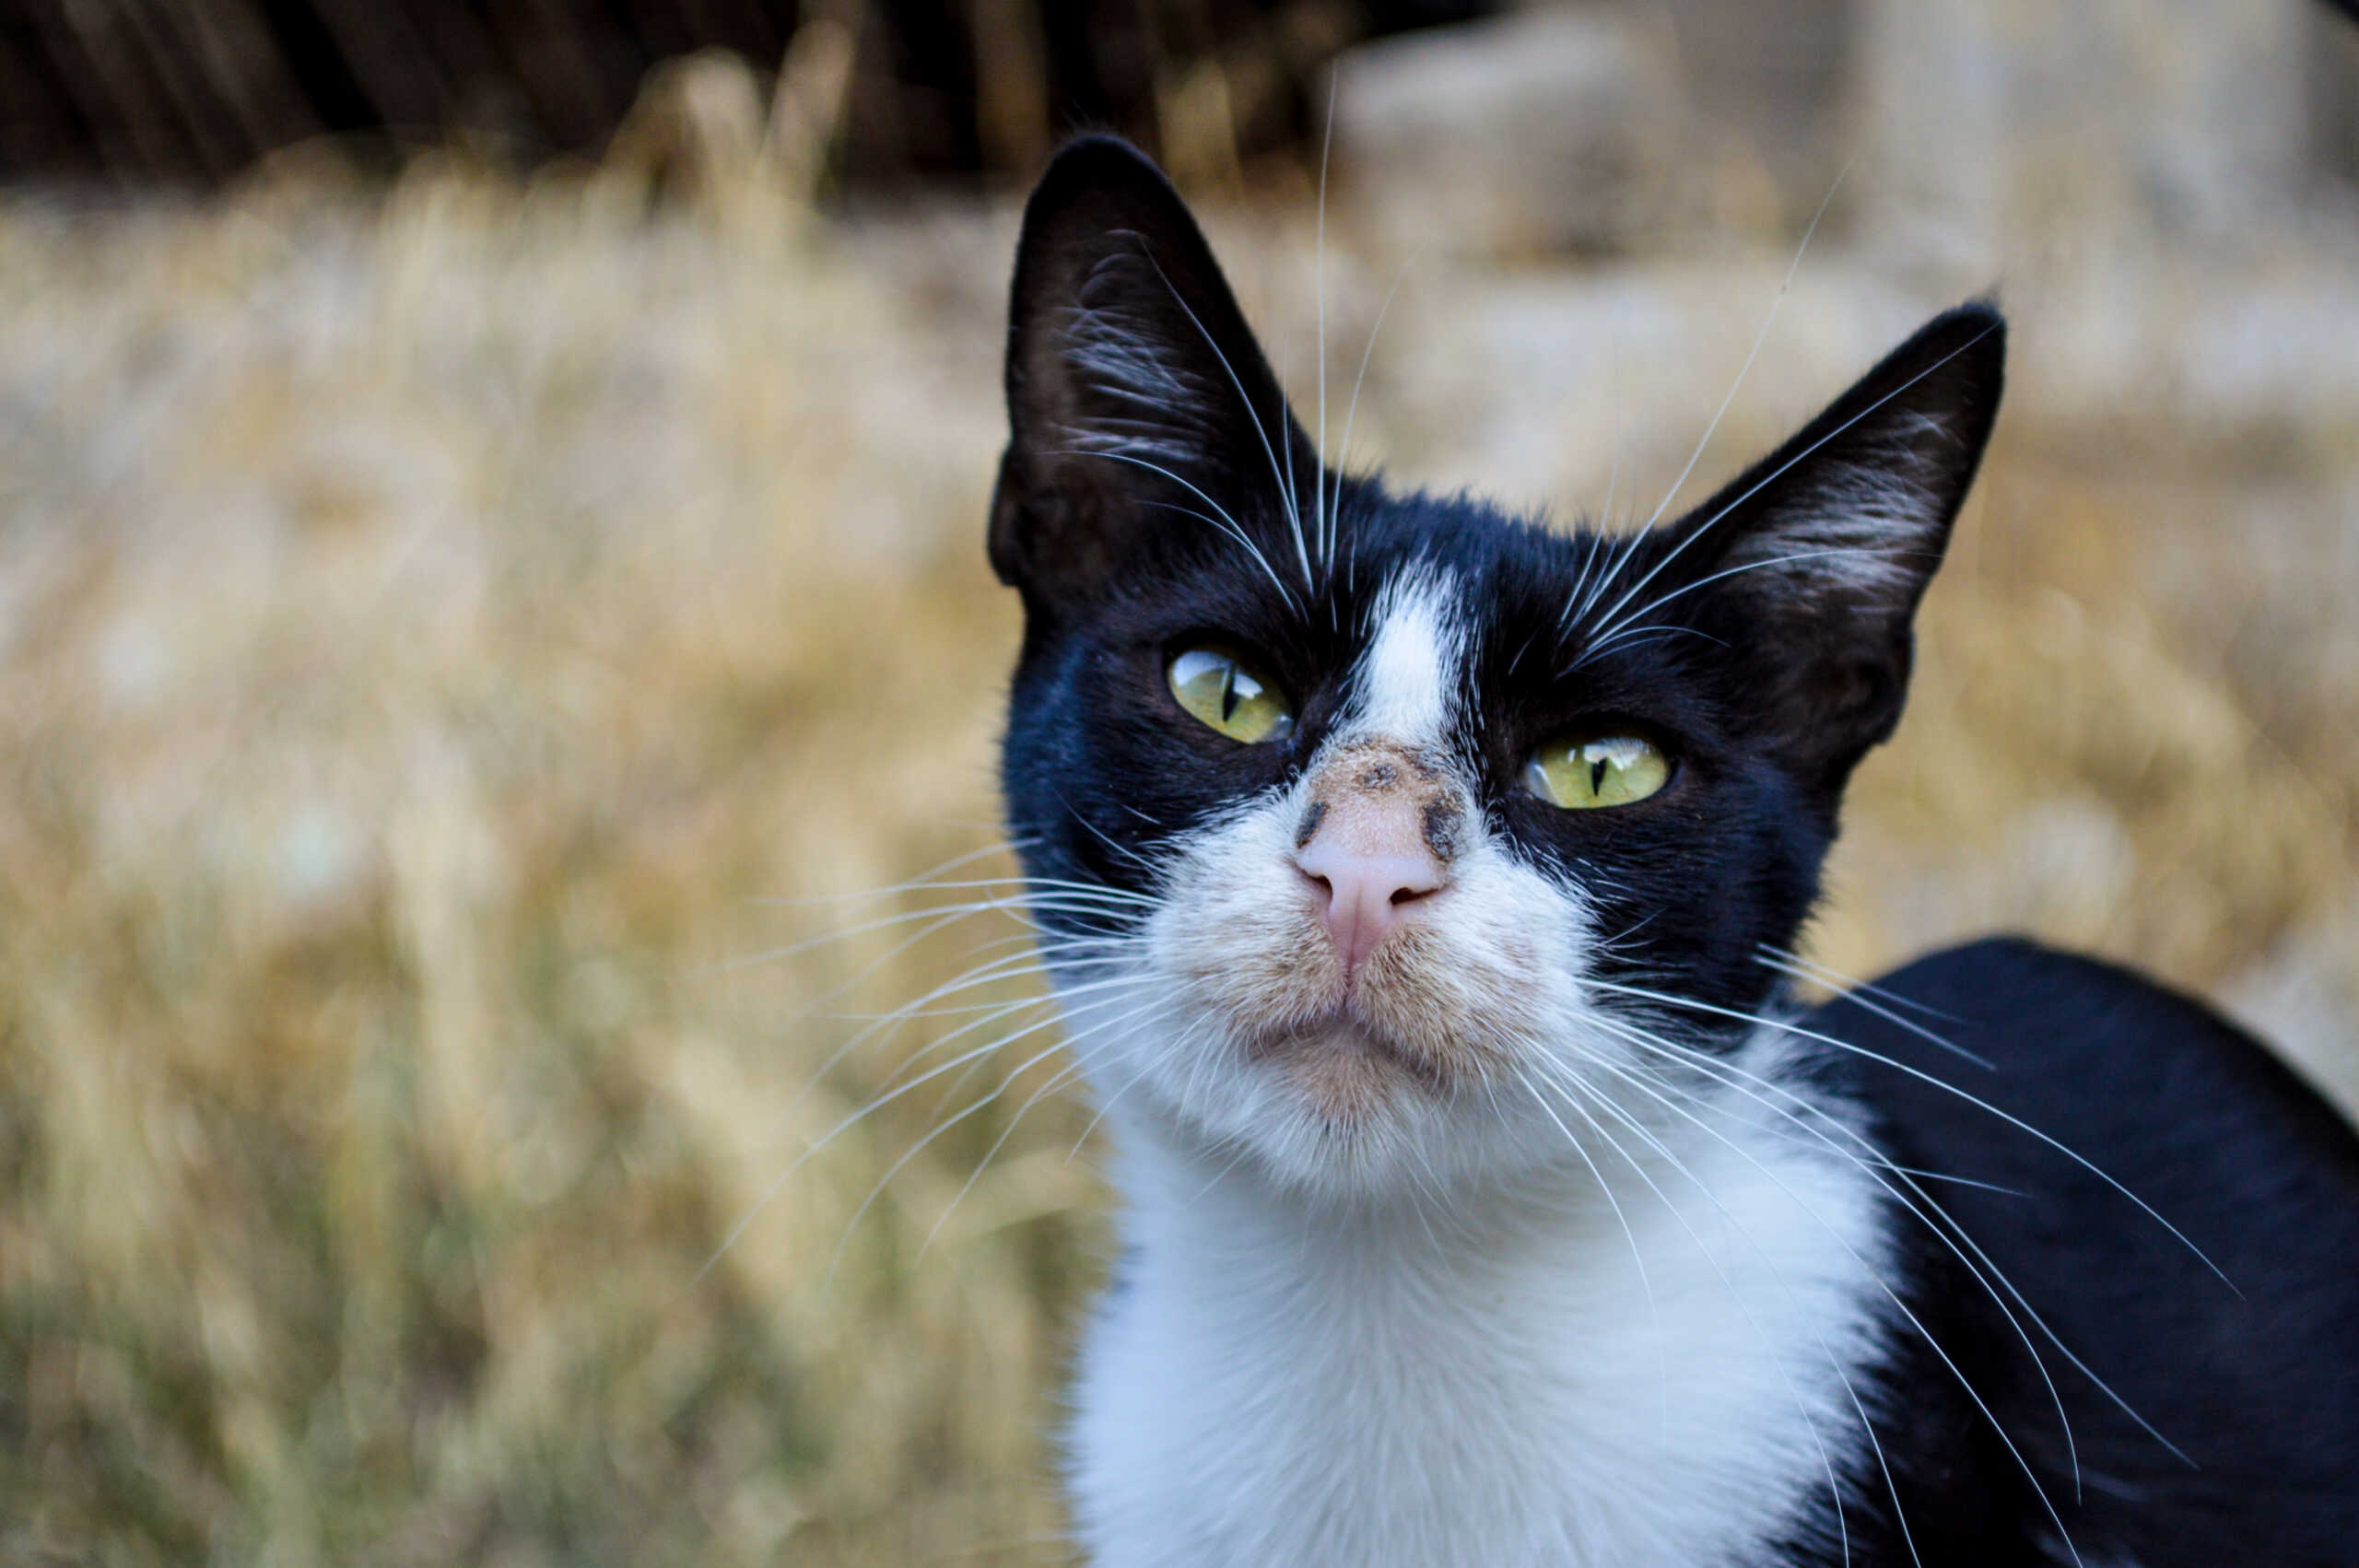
<point x="1629" y="126"/>
<point x="2114" y="119"/>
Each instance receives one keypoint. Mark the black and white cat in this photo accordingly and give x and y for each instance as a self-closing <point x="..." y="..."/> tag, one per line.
<point x="1416" y="880"/>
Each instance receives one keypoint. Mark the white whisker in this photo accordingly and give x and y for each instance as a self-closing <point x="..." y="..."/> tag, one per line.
<point x="1351" y="409"/>
<point x="1945" y="1087"/>
<point x="1070" y="1073"/>
<point x="1605" y="634"/>
<point x="1834" y="1362"/>
<point x="1285" y="481"/>
<point x="1785" y="286"/>
<point x="1782" y="469"/>
<point x="1321" y="511"/>
<point x="1922" y="1206"/>
<point x="1222" y="522"/>
<point x="1850" y="984"/>
<point x="1802" y="1407"/>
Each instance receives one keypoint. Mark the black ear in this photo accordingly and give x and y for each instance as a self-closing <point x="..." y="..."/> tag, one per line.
<point x="1139" y="405"/>
<point x="1811" y="563"/>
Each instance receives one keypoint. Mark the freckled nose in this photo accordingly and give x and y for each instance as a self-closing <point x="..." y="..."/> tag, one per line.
<point x="1370" y="865"/>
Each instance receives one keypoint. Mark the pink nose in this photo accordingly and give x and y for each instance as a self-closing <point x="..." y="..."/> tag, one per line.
<point x="1371" y="865"/>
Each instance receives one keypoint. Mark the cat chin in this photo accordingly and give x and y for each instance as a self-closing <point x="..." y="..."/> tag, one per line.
<point x="1335" y="1114"/>
<point x="1346" y="1072"/>
<point x="1349" y="1134"/>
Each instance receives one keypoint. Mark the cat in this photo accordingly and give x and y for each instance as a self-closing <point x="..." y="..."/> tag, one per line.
<point x="1419" y="884"/>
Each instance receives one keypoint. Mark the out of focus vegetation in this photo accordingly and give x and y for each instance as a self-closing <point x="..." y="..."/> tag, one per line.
<point x="471" y="647"/>
<point x="131" y="91"/>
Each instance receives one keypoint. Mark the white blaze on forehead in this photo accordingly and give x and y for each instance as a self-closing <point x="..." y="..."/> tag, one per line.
<point x="1407" y="682"/>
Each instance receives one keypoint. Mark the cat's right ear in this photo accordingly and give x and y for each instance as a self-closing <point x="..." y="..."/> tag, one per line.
<point x="1811" y="563"/>
<point x="1138" y="402"/>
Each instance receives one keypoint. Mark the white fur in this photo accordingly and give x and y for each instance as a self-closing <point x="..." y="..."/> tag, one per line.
<point x="1484" y="1381"/>
<point x="1121" y="361"/>
<point x="1480" y="1319"/>
<point x="1407" y="681"/>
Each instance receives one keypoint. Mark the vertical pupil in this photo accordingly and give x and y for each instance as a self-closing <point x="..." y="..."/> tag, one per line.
<point x="1228" y="698"/>
<point x="1597" y="776"/>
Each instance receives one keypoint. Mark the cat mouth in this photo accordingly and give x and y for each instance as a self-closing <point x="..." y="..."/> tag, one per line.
<point x="1346" y="1061"/>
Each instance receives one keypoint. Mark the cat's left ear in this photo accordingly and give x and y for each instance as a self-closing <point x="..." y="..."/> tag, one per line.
<point x="1142" y="414"/>
<point x="1811" y="564"/>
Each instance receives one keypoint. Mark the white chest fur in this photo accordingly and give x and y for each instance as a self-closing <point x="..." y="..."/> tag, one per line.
<point x="1491" y="1380"/>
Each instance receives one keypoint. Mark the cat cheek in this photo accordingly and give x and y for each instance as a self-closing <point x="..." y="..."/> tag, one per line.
<point x="1259" y="963"/>
<point x="1458" y="1003"/>
<point x="1410" y="993"/>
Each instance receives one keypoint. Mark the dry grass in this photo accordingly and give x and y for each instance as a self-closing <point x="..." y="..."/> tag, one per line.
<point x="432" y="625"/>
<point x="430" y="631"/>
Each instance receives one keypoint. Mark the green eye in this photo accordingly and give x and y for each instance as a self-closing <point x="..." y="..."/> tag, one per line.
<point x="1577" y="771"/>
<point x="1229" y="695"/>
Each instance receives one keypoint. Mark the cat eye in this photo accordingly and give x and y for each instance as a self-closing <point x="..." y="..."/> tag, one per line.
<point x="1219" y="687"/>
<point x="1587" y="768"/>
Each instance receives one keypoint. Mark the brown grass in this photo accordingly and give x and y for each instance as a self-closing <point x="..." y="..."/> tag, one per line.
<point x="433" y="624"/>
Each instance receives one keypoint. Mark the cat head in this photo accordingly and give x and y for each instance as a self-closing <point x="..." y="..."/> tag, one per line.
<point x="1375" y="836"/>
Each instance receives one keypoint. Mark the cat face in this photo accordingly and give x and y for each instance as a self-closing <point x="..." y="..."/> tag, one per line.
<point x="1373" y="831"/>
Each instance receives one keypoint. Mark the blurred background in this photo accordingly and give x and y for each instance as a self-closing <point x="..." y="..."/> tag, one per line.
<point x="497" y="674"/>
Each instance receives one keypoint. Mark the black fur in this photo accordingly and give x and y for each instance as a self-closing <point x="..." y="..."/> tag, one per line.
<point x="2254" y="1378"/>
<point x="1144" y="503"/>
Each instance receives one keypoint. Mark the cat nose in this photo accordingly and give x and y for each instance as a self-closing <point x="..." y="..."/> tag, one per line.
<point x="1370" y="865"/>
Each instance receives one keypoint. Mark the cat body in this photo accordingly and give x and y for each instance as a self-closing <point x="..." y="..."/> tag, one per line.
<point x="1419" y="884"/>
